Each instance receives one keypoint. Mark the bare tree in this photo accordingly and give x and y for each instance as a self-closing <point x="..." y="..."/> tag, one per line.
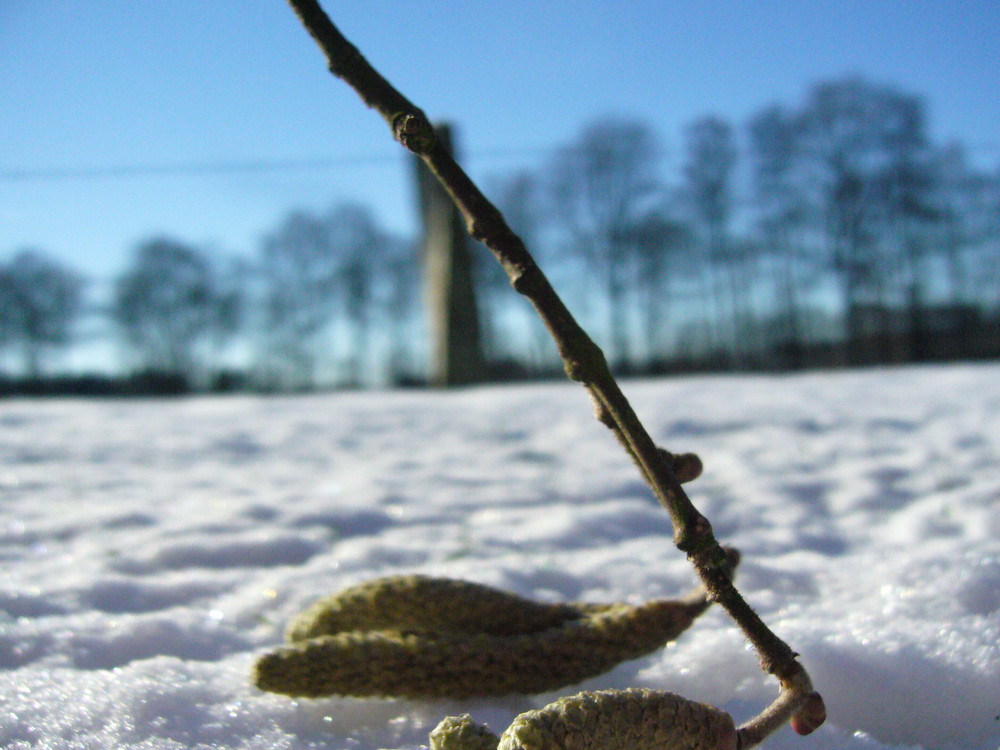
<point x="510" y="327"/>
<point x="780" y="212"/>
<point x="659" y="242"/>
<point x="298" y="272"/>
<point x="969" y="248"/>
<point x="360" y="249"/>
<point x="908" y="187"/>
<point x="401" y="312"/>
<point x="602" y="187"/>
<point x="40" y="300"/>
<point x="708" y="173"/>
<point x="850" y="130"/>
<point x="968" y="202"/>
<point x="324" y="281"/>
<point x="170" y="308"/>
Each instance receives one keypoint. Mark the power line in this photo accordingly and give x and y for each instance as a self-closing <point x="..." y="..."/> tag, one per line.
<point x="190" y="168"/>
<point x="181" y="169"/>
<point x="229" y="167"/>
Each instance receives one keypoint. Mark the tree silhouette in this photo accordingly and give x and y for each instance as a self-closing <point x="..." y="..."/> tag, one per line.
<point x="852" y="132"/>
<point x="509" y="325"/>
<point x="170" y="308"/>
<point x="708" y="172"/>
<point x="660" y="242"/>
<point x="602" y="187"/>
<point x="780" y="208"/>
<point x="361" y="250"/>
<point x="40" y="300"/>
<point x="298" y="269"/>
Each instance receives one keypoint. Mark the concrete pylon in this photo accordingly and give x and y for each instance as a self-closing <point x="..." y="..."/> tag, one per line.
<point x="456" y="356"/>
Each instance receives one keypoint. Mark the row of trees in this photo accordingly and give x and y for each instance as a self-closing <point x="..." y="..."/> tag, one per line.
<point x="301" y="314"/>
<point x="833" y="232"/>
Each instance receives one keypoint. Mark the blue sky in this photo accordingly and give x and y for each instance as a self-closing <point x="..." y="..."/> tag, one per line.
<point x="108" y="84"/>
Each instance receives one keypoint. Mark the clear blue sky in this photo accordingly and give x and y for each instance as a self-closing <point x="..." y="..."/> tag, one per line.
<point x="108" y="84"/>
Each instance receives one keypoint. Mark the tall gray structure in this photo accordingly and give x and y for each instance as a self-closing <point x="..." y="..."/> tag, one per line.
<point x="456" y="356"/>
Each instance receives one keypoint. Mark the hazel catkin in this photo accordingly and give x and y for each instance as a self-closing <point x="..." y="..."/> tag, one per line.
<point x="634" y="719"/>
<point x="421" y="637"/>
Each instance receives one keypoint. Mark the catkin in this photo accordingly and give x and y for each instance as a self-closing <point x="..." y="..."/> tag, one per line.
<point x="462" y="733"/>
<point x="463" y="665"/>
<point x="633" y="719"/>
<point x="422" y="603"/>
<point x="422" y="637"/>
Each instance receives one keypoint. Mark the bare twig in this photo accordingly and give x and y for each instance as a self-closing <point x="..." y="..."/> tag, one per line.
<point x="584" y="362"/>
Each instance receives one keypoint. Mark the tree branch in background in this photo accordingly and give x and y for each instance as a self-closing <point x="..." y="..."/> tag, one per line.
<point x="584" y="362"/>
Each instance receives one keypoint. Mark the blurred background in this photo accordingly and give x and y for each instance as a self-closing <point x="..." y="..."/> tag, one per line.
<point x="189" y="201"/>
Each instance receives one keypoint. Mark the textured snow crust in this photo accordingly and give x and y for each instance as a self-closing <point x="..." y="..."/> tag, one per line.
<point x="149" y="550"/>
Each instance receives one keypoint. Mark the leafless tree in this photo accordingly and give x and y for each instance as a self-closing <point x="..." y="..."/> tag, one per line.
<point x="401" y="313"/>
<point x="852" y="130"/>
<point x="602" y="187"/>
<point x="510" y="327"/>
<point x="662" y="244"/>
<point x="324" y="281"/>
<point x="360" y="249"/>
<point x="968" y="201"/>
<point x="710" y="154"/>
<point x="775" y="164"/>
<point x="299" y="273"/>
<point x="40" y="300"/>
<point x="171" y="308"/>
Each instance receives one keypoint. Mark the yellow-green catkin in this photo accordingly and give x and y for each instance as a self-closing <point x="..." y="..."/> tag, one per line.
<point x="422" y="638"/>
<point x="634" y="719"/>
<point x="462" y="733"/>
<point x="605" y="720"/>
<point x="423" y="603"/>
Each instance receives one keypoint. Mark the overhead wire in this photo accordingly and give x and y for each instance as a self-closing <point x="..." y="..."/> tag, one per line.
<point x="229" y="167"/>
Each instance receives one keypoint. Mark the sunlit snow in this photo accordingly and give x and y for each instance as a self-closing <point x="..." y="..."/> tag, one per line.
<point x="150" y="549"/>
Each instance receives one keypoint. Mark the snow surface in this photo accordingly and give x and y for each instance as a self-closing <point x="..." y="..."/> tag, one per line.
<point x="150" y="549"/>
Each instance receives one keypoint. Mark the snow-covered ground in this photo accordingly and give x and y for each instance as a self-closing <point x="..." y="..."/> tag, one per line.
<point x="150" y="549"/>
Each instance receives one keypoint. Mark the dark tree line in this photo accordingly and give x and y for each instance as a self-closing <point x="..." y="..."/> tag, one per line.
<point x="329" y="299"/>
<point x="39" y="302"/>
<point x="338" y="273"/>
<point x="834" y="232"/>
<point x="831" y="232"/>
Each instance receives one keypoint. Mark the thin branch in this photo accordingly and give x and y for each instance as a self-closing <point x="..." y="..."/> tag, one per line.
<point x="583" y="361"/>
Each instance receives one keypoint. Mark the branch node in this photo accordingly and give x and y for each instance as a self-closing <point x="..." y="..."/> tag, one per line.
<point x="479" y="229"/>
<point x="414" y="131"/>
<point x="575" y="369"/>
<point x="524" y="281"/>
<point x="696" y="539"/>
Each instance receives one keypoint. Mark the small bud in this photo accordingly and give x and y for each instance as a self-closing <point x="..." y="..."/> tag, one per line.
<point x="686" y="466"/>
<point x="811" y="716"/>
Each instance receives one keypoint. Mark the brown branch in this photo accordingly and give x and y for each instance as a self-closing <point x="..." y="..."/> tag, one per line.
<point x="584" y="362"/>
